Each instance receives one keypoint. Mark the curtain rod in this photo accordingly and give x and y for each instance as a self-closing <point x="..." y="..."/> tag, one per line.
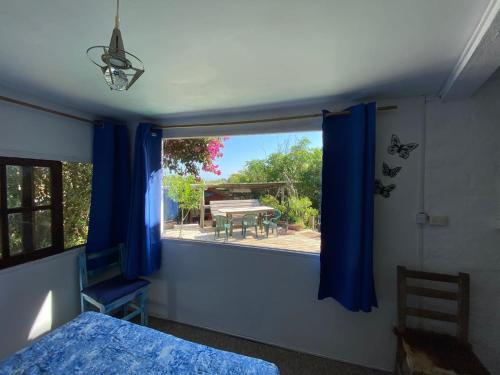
<point x="241" y="122"/>
<point x="44" y="109"/>
<point x="271" y="119"/>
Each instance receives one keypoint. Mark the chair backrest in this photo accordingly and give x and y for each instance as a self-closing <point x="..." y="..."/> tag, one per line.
<point x="460" y="298"/>
<point x="276" y="215"/>
<point x="220" y="221"/>
<point x="215" y="206"/>
<point x="250" y="219"/>
<point x="95" y="265"/>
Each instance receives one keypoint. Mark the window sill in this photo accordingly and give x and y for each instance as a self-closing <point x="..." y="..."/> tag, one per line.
<point x="247" y="248"/>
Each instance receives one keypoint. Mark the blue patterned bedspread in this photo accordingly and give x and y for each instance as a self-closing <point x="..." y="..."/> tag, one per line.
<point x="94" y="343"/>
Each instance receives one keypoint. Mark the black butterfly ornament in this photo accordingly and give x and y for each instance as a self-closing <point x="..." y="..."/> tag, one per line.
<point x="388" y="171"/>
<point x="403" y="150"/>
<point x="384" y="191"/>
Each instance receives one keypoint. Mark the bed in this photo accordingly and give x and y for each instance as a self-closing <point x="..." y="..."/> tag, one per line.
<point x="94" y="343"/>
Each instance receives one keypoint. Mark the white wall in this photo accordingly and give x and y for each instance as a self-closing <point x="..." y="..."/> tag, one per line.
<point x="30" y="133"/>
<point x="270" y="296"/>
<point x="462" y="180"/>
<point x="24" y="288"/>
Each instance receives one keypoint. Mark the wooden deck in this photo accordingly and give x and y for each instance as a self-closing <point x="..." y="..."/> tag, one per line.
<point x="303" y="241"/>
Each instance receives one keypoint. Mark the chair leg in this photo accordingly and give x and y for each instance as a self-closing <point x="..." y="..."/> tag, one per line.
<point x="82" y="304"/>
<point x="399" y="358"/>
<point x="256" y="232"/>
<point x="144" y="309"/>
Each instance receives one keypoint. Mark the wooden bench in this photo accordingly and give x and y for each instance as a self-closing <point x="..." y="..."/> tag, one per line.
<point x="215" y="207"/>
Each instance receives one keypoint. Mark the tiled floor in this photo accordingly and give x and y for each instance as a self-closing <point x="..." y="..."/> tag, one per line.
<point x="305" y="240"/>
<point x="289" y="362"/>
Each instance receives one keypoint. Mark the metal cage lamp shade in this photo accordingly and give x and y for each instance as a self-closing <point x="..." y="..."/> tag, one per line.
<point x="120" y="68"/>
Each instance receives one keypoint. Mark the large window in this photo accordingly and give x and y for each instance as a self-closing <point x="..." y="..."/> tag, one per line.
<point x="43" y="208"/>
<point x="252" y="190"/>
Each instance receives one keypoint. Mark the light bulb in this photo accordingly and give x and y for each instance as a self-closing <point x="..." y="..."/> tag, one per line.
<point x="119" y="81"/>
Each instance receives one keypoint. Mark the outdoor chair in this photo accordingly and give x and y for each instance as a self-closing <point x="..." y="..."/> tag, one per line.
<point x="271" y="222"/>
<point x="222" y="223"/>
<point x="111" y="293"/>
<point x="425" y="352"/>
<point x="249" y="220"/>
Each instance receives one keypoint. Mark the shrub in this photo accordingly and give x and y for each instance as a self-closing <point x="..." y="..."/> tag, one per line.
<point x="301" y="211"/>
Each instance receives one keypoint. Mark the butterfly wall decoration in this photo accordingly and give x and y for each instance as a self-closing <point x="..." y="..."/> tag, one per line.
<point x="403" y="150"/>
<point x="384" y="191"/>
<point x="388" y="171"/>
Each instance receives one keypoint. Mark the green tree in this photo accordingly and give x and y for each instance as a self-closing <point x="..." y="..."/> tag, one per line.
<point x="299" y="165"/>
<point x="186" y="191"/>
<point x="77" y="187"/>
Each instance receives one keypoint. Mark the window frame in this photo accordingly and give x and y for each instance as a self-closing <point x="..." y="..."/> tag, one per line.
<point x="28" y="208"/>
<point x="265" y="128"/>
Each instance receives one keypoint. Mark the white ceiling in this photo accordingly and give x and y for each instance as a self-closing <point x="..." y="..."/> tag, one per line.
<point x="224" y="54"/>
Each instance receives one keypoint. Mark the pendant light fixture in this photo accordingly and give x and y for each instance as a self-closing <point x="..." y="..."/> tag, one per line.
<point x="119" y="67"/>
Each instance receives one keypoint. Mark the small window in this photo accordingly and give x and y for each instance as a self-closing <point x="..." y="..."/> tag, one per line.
<point x="44" y="208"/>
<point x="30" y="210"/>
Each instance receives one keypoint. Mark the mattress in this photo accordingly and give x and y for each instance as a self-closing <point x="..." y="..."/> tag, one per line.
<point x="94" y="343"/>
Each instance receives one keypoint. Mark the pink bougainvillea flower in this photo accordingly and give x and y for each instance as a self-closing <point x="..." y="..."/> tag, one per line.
<point x="188" y="156"/>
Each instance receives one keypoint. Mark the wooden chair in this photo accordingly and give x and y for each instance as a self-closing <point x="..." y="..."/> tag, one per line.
<point x="108" y="294"/>
<point x="425" y="350"/>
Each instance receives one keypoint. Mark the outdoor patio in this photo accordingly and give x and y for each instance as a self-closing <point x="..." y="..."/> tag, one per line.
<point x="303" y="241"/>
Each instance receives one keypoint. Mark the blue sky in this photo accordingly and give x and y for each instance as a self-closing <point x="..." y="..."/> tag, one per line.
<point x="238" y="149"/>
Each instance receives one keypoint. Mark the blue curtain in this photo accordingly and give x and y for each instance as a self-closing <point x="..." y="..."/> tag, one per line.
<point x="109" y="205"/>
<point x="143" y="246"/>
<point x="347" y="208"/>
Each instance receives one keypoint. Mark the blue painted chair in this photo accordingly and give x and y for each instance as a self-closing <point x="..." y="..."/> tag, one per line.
<point x="108" y="294"/>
